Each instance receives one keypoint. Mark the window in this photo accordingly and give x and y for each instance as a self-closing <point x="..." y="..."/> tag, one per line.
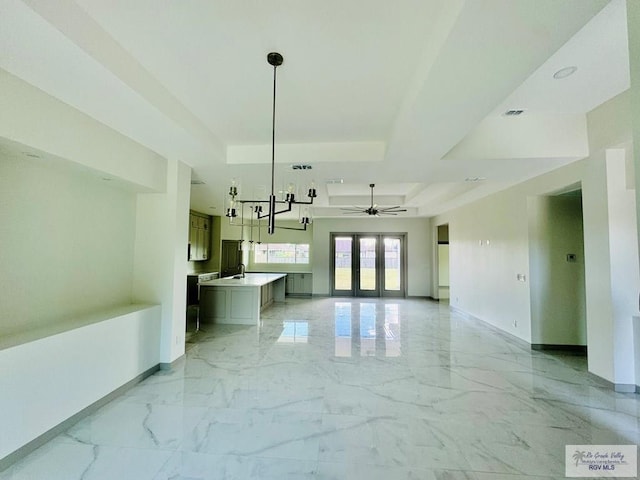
<point x="281" y="253"/>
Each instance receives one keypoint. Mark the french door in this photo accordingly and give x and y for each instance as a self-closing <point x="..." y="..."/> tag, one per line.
<point x="368" y="265"/>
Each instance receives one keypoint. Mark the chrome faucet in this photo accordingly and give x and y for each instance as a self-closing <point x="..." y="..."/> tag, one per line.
<point x="242" y="269"/>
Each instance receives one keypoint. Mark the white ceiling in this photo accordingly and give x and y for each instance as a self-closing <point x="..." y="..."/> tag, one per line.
<point x="400" y="94"/>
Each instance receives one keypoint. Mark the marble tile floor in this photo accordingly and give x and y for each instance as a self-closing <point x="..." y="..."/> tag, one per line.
<point x="346" y="389"/>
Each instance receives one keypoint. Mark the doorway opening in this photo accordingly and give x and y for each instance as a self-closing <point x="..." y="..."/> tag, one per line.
<point x="368" y="264"/>
<point x="443" y="262"/>
<point x="557" y="272"/>
<point x="231" y="258"/>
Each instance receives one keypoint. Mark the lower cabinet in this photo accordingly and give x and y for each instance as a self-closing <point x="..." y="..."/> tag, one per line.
<point x="266" y="295"/>
<point x="300" y="284"/>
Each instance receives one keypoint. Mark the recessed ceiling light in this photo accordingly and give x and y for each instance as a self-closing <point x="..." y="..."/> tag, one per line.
<point x="565" y="72"/>
<point x="474" y="179"/>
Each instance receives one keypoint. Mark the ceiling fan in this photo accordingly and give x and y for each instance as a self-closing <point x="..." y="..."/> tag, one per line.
<point x="373" y="210"/>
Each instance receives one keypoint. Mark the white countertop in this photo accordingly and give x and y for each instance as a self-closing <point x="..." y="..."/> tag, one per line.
<point x="249" y="280"/>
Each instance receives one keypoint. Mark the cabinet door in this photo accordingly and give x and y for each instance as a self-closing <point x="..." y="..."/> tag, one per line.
<point x="206" y="238"/>
<point x="193" y="237"/>
<point x="305" y="284"/>
<point x="298" y="284"/>
<point x="290" y="284"/>
<point x="199" y="237"/>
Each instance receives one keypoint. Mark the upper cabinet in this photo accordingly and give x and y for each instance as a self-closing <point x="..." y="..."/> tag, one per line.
<point x="199" y="236"/>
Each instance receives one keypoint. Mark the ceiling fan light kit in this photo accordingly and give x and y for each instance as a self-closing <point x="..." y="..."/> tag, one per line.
<point x="274" y="59"/>
<point x="373" y="209"/>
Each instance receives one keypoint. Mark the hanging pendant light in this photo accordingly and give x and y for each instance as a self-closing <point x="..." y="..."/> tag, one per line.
<point x="274" y="59"/>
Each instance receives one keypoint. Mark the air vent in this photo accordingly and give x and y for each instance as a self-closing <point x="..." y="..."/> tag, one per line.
<point x="197" y="182"/>
<point x="301" y="167"/>
<point x="513" y="113"/>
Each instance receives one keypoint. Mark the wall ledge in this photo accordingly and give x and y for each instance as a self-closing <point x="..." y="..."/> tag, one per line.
<point x="12" y="339"/>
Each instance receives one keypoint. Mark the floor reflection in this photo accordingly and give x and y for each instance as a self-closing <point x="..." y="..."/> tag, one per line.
<point x="393" y="347"/>
<point x="342" y="329"/>
<point x="367" y="329"/>
<point x="377" y="330"/>
<point x="294" y="332"/>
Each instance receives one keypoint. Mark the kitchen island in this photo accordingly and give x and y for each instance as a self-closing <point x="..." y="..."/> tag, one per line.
<point x="240" y="300"/>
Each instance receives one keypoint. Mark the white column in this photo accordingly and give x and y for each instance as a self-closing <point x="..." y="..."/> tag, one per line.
<point x="633" y="27"/>
<point x="160" y="266"/>
<point x="625" y="276"/>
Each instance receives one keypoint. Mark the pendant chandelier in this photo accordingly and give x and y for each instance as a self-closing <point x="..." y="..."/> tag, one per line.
<point x="274" y="59"/>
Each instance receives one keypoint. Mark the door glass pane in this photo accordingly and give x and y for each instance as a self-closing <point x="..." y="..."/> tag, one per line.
<point x="367" y="264"/>
<point x="342" y="273"/>
<point x="392" y="264"/>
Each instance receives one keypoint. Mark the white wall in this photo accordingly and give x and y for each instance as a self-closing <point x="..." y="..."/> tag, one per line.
<point x="483" y="276"/>
<point x="72" y="244"/>
<point x="419" y="247"/>
<point x="66" y="244"/>
<point x="46" y="381"/>
<point x="558" y="305"/>
<point x="488" y="247"/>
